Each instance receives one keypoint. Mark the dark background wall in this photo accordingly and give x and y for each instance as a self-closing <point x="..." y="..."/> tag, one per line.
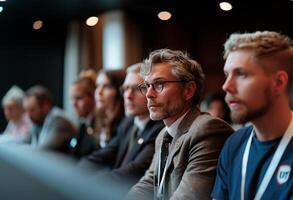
<point x="30" y="57"/>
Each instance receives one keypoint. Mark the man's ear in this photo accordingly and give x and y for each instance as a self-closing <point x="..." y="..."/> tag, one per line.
<point x="189" y="90"/>
<point x="281" y="79"/>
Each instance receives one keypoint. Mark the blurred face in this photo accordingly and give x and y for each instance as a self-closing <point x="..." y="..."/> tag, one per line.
<point x="83" y="102"/>
<point x="105" y="93"/>
<point x="170" y="103"/>
<point x="249" y="88"/>
<point x="12" y="110"/>
<point x="135" y="102"/>
<point x="216" y="109"/>
<point x="35" y="111"/>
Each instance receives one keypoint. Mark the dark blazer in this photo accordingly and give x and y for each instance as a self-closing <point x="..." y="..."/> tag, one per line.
<point x="140" y="155"/>
<point x="194" y="155"/>
<point x="86" y="143"/>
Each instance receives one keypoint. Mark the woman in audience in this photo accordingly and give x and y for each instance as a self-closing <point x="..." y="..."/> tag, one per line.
<point x="109" y="103"/>
<point x="18" y="127"/>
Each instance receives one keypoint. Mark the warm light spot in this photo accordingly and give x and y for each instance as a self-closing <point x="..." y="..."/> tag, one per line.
<point x="164" y="15"/>
<point x="38" y="24"/>
<point x="91" y="21"/>
<point x="225" y="6"/>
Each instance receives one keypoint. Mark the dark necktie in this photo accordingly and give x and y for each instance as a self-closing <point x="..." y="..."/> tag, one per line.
<point x="81" y="135"/>
<point x="167" y="139"/>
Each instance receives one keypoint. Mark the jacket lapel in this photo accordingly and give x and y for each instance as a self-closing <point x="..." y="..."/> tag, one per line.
<point x="124" y="143"/>
<point x="145" y="135"/>
<point x="183" y="128"/>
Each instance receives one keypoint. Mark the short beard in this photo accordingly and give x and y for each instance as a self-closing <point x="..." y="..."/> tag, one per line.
<point x="250" y="115"/>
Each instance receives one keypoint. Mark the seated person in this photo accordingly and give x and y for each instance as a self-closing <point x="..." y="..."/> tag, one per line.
<point x="130" y="153"/>
<point x="19" y="124"/>
<point x="187" y="150"/>
<point x="256" y="161"/>
<point x="82" y="93"/>
<point x="51" y="129"/>
<point x="109" y="105"/>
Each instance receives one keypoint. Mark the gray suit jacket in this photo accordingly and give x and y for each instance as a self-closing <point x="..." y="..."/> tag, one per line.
<point x="55" y="134"/>
<point x="194" y="155"/>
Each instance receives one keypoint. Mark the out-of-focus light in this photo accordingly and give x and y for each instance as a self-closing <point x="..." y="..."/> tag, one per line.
<point x="92" y="21"/>
<point x="38" y="24"/>
<point x="225" y="6"/>
<point x="2" y="0"/>
<point x="1" y="9"/>
<point x="164" y="15"/>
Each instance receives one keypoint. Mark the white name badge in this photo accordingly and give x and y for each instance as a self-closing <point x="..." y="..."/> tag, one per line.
<point x="283" y="174"/>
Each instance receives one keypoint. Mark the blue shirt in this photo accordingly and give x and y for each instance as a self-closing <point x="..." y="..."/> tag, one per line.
<point x="228" y="180"/>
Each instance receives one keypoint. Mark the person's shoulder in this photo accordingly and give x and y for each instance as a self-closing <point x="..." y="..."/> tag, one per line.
<point x="239" y="136"/>
<point x="125" y="122"/>
<point x="205" y="124"/>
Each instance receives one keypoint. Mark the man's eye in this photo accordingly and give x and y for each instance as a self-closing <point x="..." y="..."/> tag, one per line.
<point x="242" y="74"/>
<point x="159" y="84"/>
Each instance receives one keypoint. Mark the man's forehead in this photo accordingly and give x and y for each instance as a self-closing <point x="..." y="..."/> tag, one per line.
<point x="238" y="59"/>
<point x="160" y="72"/>
<point x="133" y="78"/>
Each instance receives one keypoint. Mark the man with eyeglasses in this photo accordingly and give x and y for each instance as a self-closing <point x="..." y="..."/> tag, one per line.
<point x="187" y="150"/>
<point x="129" y="154"/>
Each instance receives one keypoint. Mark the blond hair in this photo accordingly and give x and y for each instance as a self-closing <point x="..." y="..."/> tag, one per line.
<point x="266" y="44"/>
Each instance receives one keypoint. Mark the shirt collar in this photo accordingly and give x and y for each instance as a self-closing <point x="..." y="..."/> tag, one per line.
<point x="172" y="130"/>
<point x="87" y="120"/>
<point x="141" y="123"/>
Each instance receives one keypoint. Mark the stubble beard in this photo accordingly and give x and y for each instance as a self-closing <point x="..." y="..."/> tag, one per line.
<point x="245" y="115"/>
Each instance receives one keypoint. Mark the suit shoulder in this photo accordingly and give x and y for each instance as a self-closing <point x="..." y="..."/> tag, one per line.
<point x="206" y="124"/>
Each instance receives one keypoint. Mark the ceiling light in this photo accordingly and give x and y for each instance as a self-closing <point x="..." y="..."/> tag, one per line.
<point x="1" y="8"/>
<point x="38" y="24"/>
<point x="91" y="21"/>
<point x="164" y="15"/>
<point x="225" y="6"/>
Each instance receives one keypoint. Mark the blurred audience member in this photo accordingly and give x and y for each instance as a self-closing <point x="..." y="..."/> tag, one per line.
<point x="19" y="124"/>
<point x="109" y="104"/>
<point x="82" y="93"/>
<point x="215" y="105"/>
<point x="130" y="153"/>
<point x="51" y="129"/>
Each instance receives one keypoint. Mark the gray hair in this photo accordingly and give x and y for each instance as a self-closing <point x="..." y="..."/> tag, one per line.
<point x="265" y="44"/>
<point x="135" y="68"/>
<point x="15" y="94"/>
<point x="183" y="67"/>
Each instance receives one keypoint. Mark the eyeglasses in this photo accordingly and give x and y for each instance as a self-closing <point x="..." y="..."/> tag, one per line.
<point x="158" y="86"/>
<point x="125" y="88"/>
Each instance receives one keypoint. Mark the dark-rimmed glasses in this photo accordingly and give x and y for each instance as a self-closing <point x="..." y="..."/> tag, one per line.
<point x="157" y="86"/>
